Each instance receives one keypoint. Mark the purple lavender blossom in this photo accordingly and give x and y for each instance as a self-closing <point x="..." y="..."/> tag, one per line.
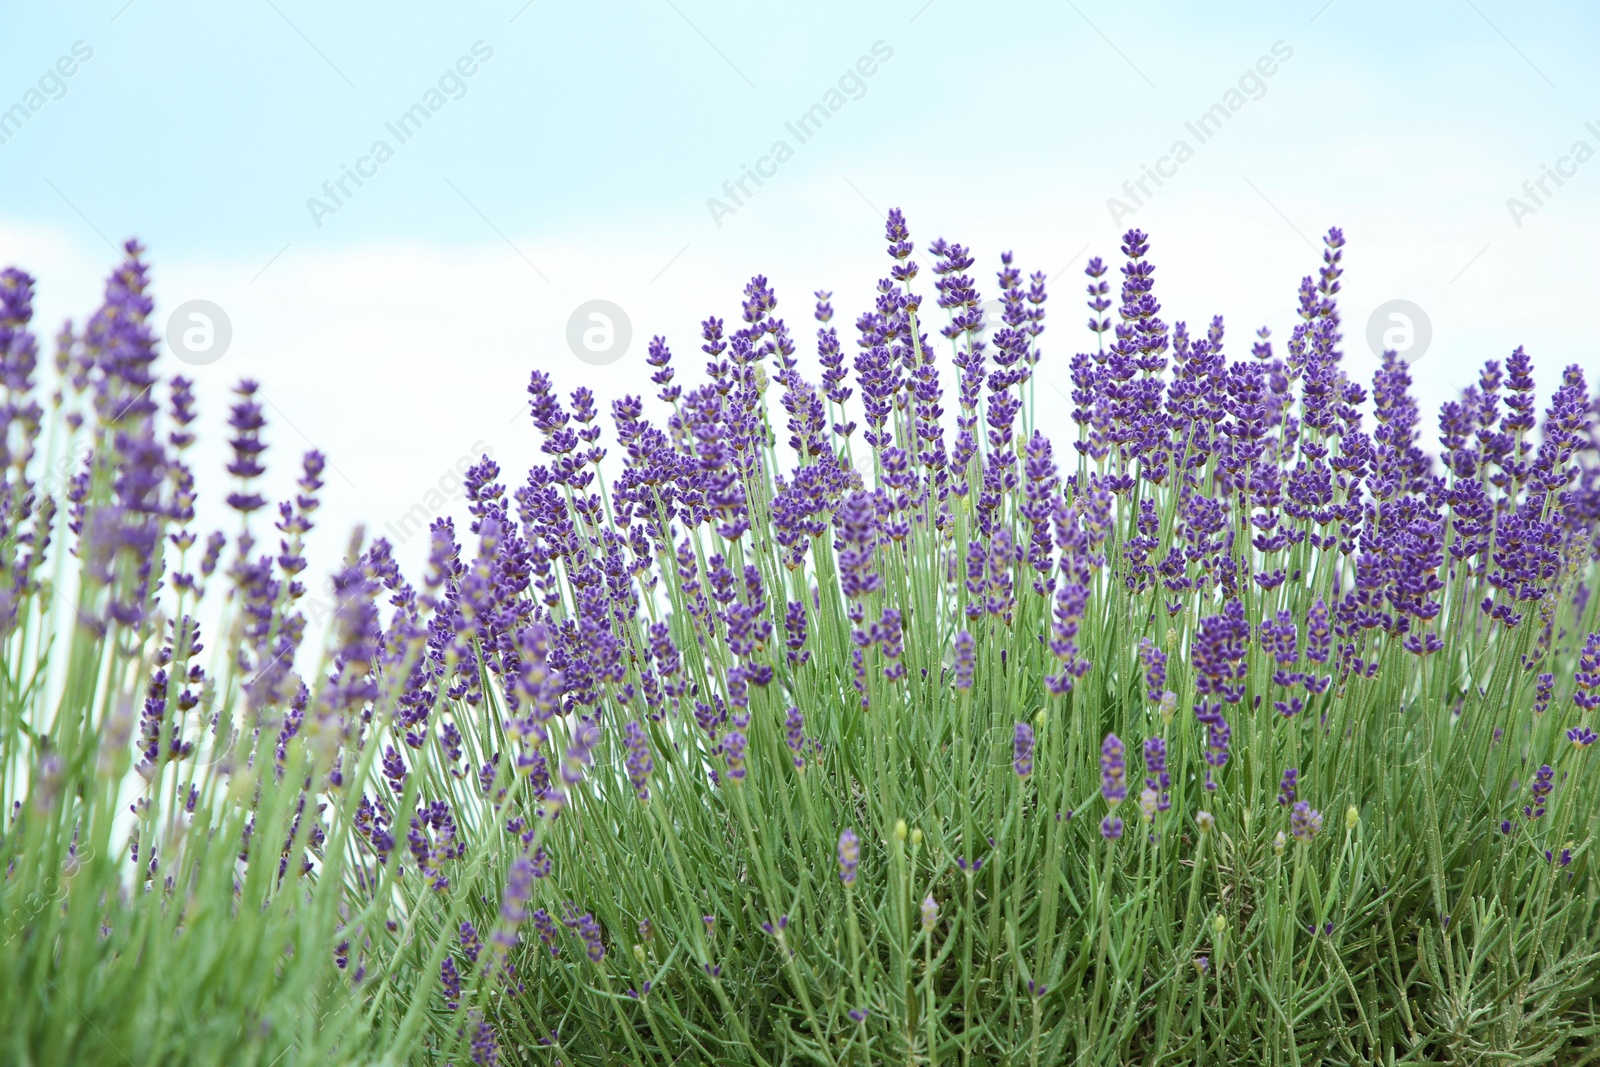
<point x="1218" y="654"/>
<point x="795" y="737"/>
<point x="1155" y="669"/>
<point x="1149" y="803"/>
<point x="485" y="1049"/>
<point x="1113" y="784"/>
<point x="1305" y="822"/>
<point x="519" y="887"/>
<point x="247" y="423"/>
<point x="588" y="931"/>
<point x="734" y="745"/>
<point x="1157" y="780"/>
<point x="1543" y="785"/>
<point x="450" y="983"/>
<point x="639" y="762"/>
<point x="548" y="933"/>
<point x="471" y="945"/>
<point x="964" y="660"/>
<point x="1022" y="750"/>
<point x="1588" y="674"/>
<point x="1544" y="686"/>
<point x="849" y="857"/>
<point x="1259" y="503"/>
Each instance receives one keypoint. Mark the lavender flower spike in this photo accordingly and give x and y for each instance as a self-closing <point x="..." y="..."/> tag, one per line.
<point x="849" y="857"/>
<point x="639" y="764"/>
<point x="1022" y="750"/>
<point x="1588" y="674"/>
<point x="1113" y="771"/>
<point x="963" y="662"/>
<point x="1114" y="785"/>
<point x="1305" y="822"/>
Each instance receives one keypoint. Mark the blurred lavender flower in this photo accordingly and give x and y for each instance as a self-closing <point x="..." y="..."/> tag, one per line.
<point x="1305" y="822"/>
<point x="849" y="857"/>
<point x="1022" y="750"/>
<point x="1149" y="803"/>
<point x="964" y="656"/>
<point x="513" y="903"/>
<point x="485" y="1049"/>
<point x="1157" y="780"/>
<point x="794" y="736"/>
<point x="639" y="762"/>
<point x="247" y="423"/>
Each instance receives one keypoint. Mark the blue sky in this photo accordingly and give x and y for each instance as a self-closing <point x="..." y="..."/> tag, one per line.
<point x="576" y="161"/>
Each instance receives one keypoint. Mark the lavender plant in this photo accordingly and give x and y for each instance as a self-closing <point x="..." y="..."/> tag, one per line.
<point x="766" y="735"/>
<point x="178" y="807"/>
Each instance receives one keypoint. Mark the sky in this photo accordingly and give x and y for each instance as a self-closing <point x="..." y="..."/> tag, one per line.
<point x="515" y="161"/>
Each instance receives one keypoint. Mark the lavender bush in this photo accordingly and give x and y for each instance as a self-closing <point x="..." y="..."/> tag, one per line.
<point x="843" y="733"/>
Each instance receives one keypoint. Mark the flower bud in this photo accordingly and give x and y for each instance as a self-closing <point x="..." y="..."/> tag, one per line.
<point x="1205" y="820"/>
<point x="638" y="953"/>
<point x="1352" y="817"/>
<point x="916" y="837"/>
<point x="1279" y="842"/>
<point x="900" y="830"/>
